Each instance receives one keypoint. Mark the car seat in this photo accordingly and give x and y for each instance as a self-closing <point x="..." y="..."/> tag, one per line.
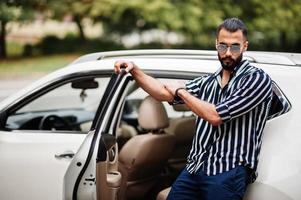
<point x="183" y="128"/>
<point x="142" y="159"/>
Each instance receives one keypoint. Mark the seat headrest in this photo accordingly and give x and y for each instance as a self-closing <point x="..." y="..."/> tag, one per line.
<point x="152" y="114"/>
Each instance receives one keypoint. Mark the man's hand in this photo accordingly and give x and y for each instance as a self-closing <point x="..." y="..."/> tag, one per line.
<point x="126" y="65"/>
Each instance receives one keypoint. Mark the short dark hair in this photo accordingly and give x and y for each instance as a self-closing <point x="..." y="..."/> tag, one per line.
<point x="232" y="25"/>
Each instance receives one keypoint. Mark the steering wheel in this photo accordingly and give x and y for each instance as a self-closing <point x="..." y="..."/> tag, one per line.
<point x="55" y="122"/>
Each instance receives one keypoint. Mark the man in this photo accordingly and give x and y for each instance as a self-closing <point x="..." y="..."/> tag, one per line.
<point x="232" y="106"/>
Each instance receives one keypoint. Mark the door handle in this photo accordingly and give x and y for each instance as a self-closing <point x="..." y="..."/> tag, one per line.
<point x="66" y="154"/>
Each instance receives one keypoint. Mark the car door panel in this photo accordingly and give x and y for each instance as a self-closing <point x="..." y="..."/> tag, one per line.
<point x="108" y="179"/>
<point x="105" y="171"/>
<point x="31" y="166"/>
<point x="34" y="162"/>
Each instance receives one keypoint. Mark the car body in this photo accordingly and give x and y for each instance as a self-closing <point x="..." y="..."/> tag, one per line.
<point x="59" y="135"/>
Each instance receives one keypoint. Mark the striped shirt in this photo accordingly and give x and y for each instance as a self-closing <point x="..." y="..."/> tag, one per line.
<point x="243" y="105"/>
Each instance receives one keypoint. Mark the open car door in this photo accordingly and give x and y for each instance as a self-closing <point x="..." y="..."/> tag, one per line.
<point x="92" y="174"/>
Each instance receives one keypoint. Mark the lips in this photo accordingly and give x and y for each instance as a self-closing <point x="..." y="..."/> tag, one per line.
<point x="228" y="61"/>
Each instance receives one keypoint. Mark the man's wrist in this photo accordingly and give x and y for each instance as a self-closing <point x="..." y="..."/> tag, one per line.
<point x="177" y="97"/>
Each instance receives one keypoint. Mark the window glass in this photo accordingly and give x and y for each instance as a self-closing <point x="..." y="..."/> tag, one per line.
<point x="280" y="104"/>
<point x="69" y="107"/>
<point x="129" y="125"/>
<point x="133" y="100"/>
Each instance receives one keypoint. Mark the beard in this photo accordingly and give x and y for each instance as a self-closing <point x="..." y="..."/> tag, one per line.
<point x="228" y="63"/>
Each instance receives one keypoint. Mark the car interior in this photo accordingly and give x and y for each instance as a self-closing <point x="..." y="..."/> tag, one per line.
<point x="154" y="139"/>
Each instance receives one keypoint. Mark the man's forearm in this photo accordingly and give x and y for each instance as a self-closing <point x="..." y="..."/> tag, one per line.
<point x="203" y="109"/>
<point x="151" y="85"/>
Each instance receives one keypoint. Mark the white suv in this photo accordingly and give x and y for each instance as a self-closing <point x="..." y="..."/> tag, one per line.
<point x="76" y="133"/>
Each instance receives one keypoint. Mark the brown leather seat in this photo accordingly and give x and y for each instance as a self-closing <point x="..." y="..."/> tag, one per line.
<point x="142" y="158"/>
<point x="184" y="129"/>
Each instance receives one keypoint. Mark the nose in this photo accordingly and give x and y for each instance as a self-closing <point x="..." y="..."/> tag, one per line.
<point x="228" y="52"/>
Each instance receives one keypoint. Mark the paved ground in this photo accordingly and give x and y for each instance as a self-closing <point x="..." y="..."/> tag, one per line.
<point x="9" y="86"/>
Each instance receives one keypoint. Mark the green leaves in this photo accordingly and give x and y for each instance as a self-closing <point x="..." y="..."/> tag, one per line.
<point x="273" y="25"/>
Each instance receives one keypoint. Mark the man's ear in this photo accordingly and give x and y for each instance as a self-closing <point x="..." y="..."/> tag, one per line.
<point x="246" y="44"/>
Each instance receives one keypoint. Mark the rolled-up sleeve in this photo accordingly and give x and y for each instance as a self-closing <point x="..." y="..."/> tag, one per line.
<point x="254" y="89"/>
<point x="223" y="111"/>
<point x="194" y="86"/>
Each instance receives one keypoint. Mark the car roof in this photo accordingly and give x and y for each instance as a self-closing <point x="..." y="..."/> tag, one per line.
<point x="292" y="59"/>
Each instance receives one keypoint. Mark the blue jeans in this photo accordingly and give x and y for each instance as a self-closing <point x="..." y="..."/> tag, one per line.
<point x="230" y="185"/>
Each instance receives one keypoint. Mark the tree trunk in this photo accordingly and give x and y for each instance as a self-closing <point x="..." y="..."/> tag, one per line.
<point x="77" y="20"/>
<point x="284" y="46"/>
<point x="2" y="39"/>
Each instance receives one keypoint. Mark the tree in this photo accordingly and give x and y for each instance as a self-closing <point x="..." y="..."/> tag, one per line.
<point x="7" y="13"/>
<point x="14" y="10"/>
<point x="77" y="9"/>
<point x="189" y="18"/>
<point x="273" y="25"/>
<point x="278" y="22"/>
<point x="196" y="20"/>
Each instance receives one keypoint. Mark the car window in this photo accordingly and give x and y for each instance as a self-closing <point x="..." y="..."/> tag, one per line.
<point x="69" y="107"/>
<point x="280" y="103"/>
<point x="134" y="100"/>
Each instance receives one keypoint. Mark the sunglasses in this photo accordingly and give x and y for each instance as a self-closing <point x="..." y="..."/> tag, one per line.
<point x="234" y="48"/>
